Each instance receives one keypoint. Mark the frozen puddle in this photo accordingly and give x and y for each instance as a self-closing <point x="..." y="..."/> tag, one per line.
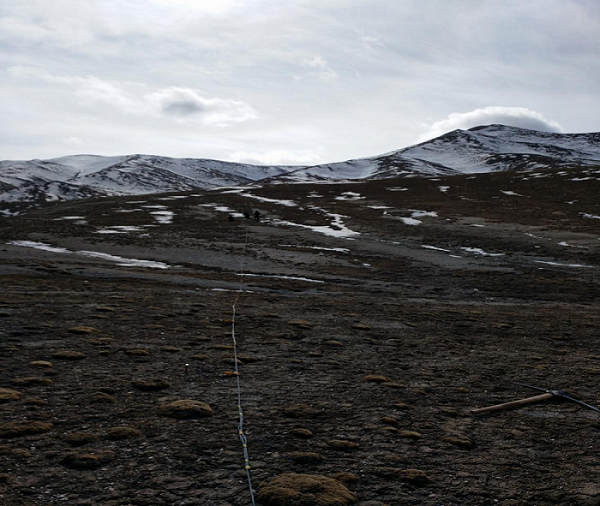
<point x="294" y="278"/>
<point x="556" y="264"/>
<point x="124" y="262"/>
<point x="479" y="251"/>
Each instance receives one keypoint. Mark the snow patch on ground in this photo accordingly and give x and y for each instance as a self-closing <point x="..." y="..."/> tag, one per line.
<point x="163" y="217"/>
<point x="350" y="196"/>
<point x="336" y="229"/>
<point x="286" y="203"/>
<point x="479" y="251"/>
<point x="443" y="189"/>
<point x="397" y="189"/>
<point x="511" y="193"/>
<point x="70" y="218"/>
<point x="410" y="221"/>
<point x="591" y="216"/>
<point x="320" y="248"/>
<point x="294" y="278"/>
<point x="422" y="214"/>
<point x="426" y="246"/>
<point x="120" y="229"/>
<point x="124" y="262"/>
<point x="556" y="264"/>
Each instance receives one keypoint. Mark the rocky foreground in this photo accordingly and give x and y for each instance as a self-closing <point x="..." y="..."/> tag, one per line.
<point x="370" y="319"/>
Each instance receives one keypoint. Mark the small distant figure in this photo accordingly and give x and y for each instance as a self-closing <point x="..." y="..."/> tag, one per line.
<point x="256" y="215"/>
<point x="246" y="215"/>
<point x="230" y="217"/>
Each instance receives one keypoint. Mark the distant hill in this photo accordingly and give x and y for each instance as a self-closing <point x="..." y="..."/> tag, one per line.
<point x="481" y="149"/>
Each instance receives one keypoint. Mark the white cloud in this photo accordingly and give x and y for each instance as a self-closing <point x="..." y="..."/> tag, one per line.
<point x="276" y="157"/>
<point x="182" y="105"/>
<point x="73" y="141"/>
<point x="322" y="70"/>
<point x="510" y="116"/>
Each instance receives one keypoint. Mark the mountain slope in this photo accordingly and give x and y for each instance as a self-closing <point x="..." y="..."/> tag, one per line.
<point x="82" y="176"/>
<point x="481" y="149"/>
<point x="489" y="148"/>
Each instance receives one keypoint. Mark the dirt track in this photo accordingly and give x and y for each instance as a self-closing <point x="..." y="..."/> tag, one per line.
<point x="493" y="288"/>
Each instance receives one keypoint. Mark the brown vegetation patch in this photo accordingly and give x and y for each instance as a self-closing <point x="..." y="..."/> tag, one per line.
<point x="69" y="355"/>
<point x="170" y="349"/>
<point x="413" y="476"/>
<point x="293" y="489"/>
<point x="19" y="429"/>
<point x="342" y="445"/>
<point x="457" y="440"/>
<point x="199" y="356"/>
<point x="306" y="457"/>
<point x="411" y="434"/>
<point x="301" y="324"/>
<point x="376" y="378"/>
<point x="301" y="433"/>
<point x="186" y="409"/>
<point x="42" y="364"/>
<point x="345" y="477"/>
<point x="80" y="438"/>
<point x="31" y="381"/>
<point x="87" y="460"/>
<point x="8" y="394"/>
<point x="119" y="433"/>
<point x="83" y="330"/>
<point x="138" y="352"/>
<point x="102" y="398"/>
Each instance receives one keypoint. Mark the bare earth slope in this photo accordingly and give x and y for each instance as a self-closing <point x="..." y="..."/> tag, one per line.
<point x="372" y="315"/>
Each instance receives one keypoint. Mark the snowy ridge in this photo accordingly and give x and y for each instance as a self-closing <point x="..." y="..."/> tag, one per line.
<point x="480" y="149"/>
<point x="82" y="176"/>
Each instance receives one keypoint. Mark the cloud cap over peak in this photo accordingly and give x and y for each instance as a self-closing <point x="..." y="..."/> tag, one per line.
<point x="521" y="117"/>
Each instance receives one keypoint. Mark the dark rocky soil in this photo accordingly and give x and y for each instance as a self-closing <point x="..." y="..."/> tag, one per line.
<point x="359" y="356"/>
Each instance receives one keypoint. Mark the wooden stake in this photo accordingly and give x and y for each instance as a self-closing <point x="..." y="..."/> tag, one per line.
<point x="511" y="404"/>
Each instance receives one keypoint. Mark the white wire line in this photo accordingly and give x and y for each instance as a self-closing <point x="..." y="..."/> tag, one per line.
<point x="241" y="434"/>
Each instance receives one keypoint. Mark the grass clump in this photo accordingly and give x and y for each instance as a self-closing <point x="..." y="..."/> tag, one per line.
<point x="23" y="428"/>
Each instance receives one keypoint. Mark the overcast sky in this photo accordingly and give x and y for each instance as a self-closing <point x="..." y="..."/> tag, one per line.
<point x="288" y="82"/>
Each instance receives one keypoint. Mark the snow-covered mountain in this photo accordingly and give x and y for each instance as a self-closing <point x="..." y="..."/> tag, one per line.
<point x="480" y="149"/>
<point x="81" y="176"/>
